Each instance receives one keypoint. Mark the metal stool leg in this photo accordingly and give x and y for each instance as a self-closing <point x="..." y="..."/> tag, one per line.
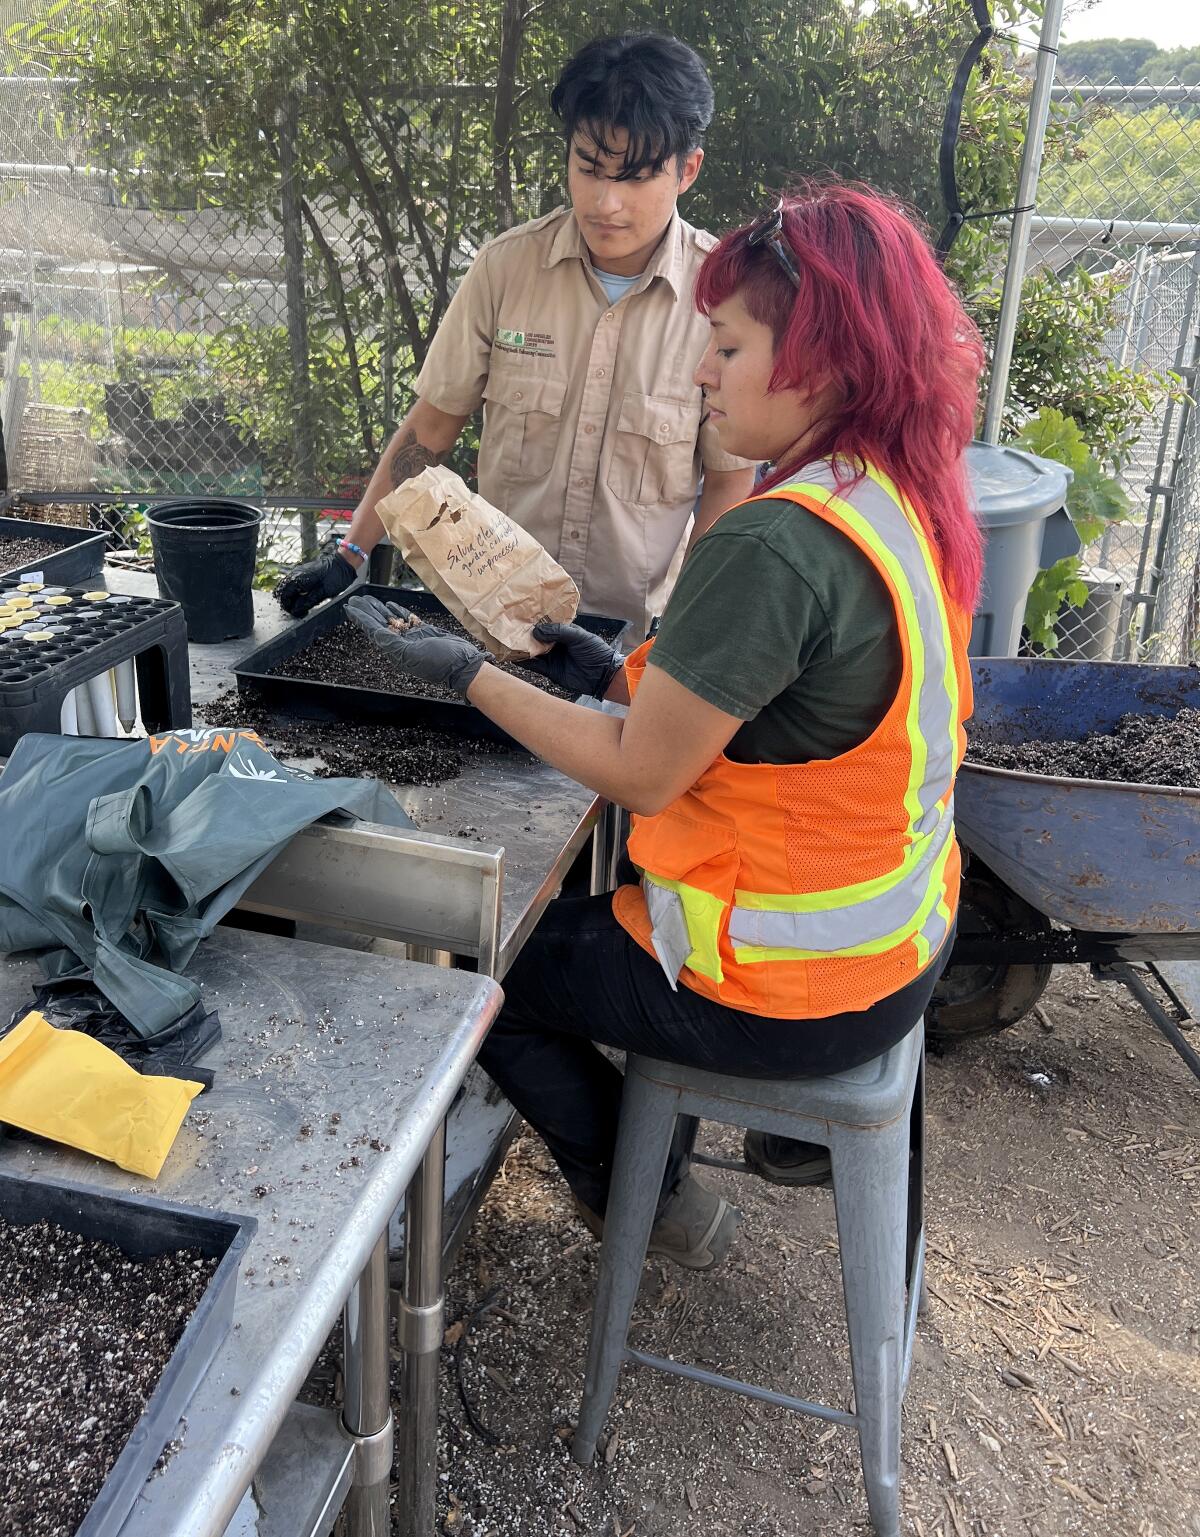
<point x="367" y="1415"/>
<point x="647" y="1124"/>
<point x="916" y="1192"/>
<point x="870" y="1181"/>
<point x="421" y="1325"/>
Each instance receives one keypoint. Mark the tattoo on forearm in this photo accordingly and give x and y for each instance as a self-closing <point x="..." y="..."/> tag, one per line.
<point x="410" y="458"/>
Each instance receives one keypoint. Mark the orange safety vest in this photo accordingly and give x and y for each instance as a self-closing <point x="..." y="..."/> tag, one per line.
<point x="811" y="889"/>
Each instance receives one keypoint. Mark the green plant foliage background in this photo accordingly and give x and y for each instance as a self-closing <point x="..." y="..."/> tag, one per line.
<point x="423" y="129"/>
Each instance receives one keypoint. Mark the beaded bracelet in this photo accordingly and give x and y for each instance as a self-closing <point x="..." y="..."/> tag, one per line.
<point x="349" y="544"/>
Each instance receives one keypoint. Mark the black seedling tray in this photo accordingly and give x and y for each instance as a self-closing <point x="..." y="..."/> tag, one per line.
<point x="36" y="676"/>
<point x="82" y="553"/>
<point x="143" y="1227"/>
<point x="310" y="700"/>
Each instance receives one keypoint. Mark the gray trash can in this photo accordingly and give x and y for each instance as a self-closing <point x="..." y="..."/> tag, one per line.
<point x="1089" y="633"/>
<point x="1021" y="500"/>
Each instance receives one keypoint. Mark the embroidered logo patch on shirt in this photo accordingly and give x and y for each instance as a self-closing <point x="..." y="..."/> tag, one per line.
<point x="536" y="344"/>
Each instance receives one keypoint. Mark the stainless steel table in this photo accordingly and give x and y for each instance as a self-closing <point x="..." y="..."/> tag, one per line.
<point x="491" y="851"/>
<point x="334" y="1077"/>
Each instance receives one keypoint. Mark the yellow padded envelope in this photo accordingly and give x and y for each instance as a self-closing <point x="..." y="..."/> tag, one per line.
<point x="64" y="1085"/>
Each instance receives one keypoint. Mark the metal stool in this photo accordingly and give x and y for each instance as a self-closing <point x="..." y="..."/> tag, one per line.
<point x="872" y="1121"/>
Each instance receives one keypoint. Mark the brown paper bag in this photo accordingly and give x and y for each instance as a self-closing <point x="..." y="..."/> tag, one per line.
<point x="496" y="579"/>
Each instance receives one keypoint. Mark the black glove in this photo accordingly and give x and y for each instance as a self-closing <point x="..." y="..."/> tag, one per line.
<point x="422" y="649"/>
<point x="325" y="577"/>
<point x="578" y="661"/>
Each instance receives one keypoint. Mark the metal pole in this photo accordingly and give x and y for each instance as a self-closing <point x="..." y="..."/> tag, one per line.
<point x="367" y="1413"/>
<point x="1137" y="303"/>
<point x="304" y="466"/>
<point x="421" y="1322"/>
<point x="1117" y="231"/>
<point x="606" y="850"/>
<point x="1171" y="438"/>
<point x="1134" y="307"/>
<point x="1125" y="94"/>
<point x="1018" y="240"/>
<point x="1122" y="972"/>
<point x="1166" y="578"/>
<point x="35" y="361"/>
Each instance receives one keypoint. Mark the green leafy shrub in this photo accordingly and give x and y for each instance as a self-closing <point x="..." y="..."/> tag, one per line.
<point x="1093" y="501"/>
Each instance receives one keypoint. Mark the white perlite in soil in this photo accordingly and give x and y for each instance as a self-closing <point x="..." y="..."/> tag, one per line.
<point x="85" y="1333"/>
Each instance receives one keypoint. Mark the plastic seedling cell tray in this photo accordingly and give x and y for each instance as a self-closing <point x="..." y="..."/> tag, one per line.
<point x="71" y="635"/>
<point x="80" y="556"/>
<point x="264" y="671"/>
<point x="143" y="1227"/>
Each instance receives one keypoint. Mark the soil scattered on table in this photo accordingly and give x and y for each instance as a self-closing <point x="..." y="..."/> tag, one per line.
<point x="1143" y="749"/>
<point x="399" y="755"/>
<point x="85" y="1333"/>
<point x="24" y="554"/>
<point x="348" y="655"/>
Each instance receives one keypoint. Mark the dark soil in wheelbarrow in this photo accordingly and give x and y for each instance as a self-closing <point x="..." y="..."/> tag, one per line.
<point x="1143" y="749"/>
<point x="85" y="1332"/>
<point x="24" y="554"/>
<point x="399" y="755"/>
<point x="348" y="655"/>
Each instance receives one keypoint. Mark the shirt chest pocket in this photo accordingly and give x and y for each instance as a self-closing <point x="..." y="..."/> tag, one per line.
<point x="654" y="450"/>
<point x="525" y="415"/>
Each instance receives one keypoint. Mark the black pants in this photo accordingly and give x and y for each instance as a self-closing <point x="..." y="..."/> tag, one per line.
<point x="581" y="979"/>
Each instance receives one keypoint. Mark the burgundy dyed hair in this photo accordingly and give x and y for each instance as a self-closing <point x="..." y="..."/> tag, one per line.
<point x="874" y="316"/>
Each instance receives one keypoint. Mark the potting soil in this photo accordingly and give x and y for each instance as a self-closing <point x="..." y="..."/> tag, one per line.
<point x="85" y="1332"/>
<point x="398" y="755"/>
<point x="1142" y="749"/>
<point x="347" y="654"/>
<point x="24" y="554"/>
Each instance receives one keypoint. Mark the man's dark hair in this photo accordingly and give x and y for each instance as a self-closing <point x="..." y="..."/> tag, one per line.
<point x="652" y="86"/>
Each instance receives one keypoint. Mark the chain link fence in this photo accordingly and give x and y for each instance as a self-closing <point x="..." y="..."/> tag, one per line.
<point x="122" y="308"/>
<point x="222" y="255"/>
<point x="225" y="241"/>
<point x="1121" y="203"/>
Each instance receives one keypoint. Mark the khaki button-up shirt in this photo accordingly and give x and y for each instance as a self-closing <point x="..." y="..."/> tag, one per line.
<point x="593" y="437"/>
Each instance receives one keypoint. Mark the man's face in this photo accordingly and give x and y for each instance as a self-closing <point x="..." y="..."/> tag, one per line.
<point x="623" y="220"/>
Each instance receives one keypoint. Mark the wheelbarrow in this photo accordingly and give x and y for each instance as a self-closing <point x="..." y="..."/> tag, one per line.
<point x="1063" y="871"/>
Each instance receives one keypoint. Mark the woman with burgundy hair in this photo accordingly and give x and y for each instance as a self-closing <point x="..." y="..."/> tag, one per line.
<point x="794" y="729"/>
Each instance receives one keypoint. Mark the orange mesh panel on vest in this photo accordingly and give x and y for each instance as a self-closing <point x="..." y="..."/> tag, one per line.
<point x="856" y="791"/>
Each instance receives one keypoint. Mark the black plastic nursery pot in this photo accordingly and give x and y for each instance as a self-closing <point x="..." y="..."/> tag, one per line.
<point x="204" y="553"/>
<point x="143" y="1227"/>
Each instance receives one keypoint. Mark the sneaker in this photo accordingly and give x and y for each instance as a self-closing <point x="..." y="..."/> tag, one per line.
<point x="786" y="1162"/>
<point x="694" y="1229"/>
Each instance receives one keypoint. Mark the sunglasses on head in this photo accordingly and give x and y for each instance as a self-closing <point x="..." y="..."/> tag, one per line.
<point x="768" y="231"/>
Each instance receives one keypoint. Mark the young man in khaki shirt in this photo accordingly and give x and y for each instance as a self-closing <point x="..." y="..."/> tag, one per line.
<point x="578" y="335"/>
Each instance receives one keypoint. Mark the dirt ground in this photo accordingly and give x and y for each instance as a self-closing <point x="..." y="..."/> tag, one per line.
<point x="1056" y="1381"/>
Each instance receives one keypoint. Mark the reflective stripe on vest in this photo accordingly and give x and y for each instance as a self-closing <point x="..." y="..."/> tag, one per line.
<point x="828" y="922"/>
<point x="908" y="902"/>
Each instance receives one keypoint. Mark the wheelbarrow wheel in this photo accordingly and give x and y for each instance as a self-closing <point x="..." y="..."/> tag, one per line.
<point x="987" y="997"/>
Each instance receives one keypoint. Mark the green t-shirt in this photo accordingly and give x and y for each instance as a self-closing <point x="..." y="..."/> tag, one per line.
<point x="780" y="619"/>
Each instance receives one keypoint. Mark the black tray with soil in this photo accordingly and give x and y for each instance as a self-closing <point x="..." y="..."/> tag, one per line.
<point x="319" y="669"/>
<point x="112" y="1307"/>
<point x="60" y="552"/>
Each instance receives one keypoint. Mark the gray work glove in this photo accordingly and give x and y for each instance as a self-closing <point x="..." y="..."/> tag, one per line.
<point x="578" y="661"/>
<point x="325" y="577"/>
<point x="422" y="649"/>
